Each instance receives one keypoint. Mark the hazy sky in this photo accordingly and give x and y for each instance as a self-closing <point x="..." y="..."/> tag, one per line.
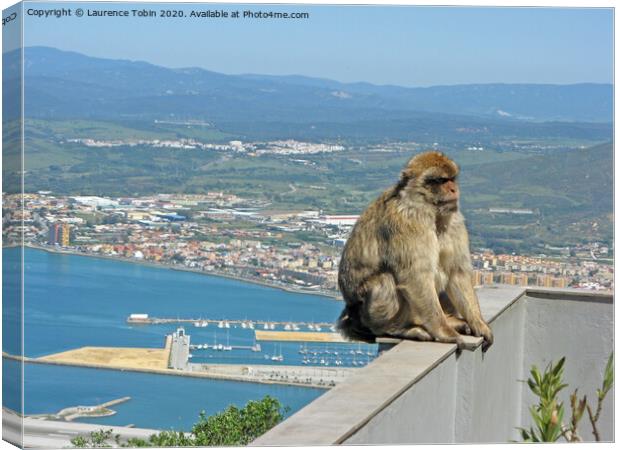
<point x="410" y="46"/>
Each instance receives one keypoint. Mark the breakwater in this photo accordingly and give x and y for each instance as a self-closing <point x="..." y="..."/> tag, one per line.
<point x="73" y="302"/>
<point x="76" y="412"/>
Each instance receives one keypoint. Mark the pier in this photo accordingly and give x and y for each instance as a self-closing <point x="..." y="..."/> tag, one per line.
<point x="145" y="319"/>
<point x="75" y="412"/>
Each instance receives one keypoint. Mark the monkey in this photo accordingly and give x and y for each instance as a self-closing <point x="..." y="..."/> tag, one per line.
<point x="405" y="270"/>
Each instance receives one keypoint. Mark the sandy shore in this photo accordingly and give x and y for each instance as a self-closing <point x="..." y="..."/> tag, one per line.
<point x="293" y="289"/>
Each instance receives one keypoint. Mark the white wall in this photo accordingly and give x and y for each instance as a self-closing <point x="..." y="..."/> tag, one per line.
<point x="478" y="397"/>
<point x="422" y="392"/>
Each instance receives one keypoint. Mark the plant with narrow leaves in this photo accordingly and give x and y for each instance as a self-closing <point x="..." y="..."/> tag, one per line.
<point x="608" y="381"/>
<point x="548" y="414"/>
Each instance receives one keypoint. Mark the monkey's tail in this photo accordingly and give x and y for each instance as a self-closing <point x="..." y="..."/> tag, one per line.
<point x="351" y="327"/>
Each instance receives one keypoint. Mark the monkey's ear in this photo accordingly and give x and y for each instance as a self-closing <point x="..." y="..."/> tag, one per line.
<point x="407" y="174"/>
<point x="402" y="183"/>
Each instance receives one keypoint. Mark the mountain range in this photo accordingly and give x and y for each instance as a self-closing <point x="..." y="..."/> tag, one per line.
<point x="61" y="84"/>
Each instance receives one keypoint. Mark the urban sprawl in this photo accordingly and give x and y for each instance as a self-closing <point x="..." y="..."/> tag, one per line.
<point x="224" y="234"/>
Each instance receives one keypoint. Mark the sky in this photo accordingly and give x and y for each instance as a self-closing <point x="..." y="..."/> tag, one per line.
<point x="401" y="45"/>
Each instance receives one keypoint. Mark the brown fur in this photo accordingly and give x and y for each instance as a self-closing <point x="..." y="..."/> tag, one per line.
<point x="409" y="248"/>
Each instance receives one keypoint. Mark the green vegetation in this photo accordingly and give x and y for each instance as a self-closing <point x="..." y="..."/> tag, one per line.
<point x="232" y="427"/>
<point x="548" y="414"/>
<point x="97" y="439"/>
<point x="569" y="189"/>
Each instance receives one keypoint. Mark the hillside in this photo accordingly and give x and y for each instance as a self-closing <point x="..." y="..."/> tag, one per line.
<point x="70" y="85"/>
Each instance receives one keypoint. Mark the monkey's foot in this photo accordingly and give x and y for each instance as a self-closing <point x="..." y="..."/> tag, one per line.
<point x="413" y="333"/>
<point x="459" y="325"/>
<point x="482" y="329"/>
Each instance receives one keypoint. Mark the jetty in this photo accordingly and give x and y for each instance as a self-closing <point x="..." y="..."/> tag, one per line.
<point x="145" y="319"/>
<point x="75" y="412"/>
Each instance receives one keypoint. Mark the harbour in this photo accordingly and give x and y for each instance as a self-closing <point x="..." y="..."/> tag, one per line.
<point x="175" y="359"/>
<point x="157" y="402"/>
<point x="79" y="329"/>
<point x="145" y="319"/>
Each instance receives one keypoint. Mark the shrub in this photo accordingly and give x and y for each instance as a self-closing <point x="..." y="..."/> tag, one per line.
<point x="232" y="427"/>
<point x="548" y="414"/>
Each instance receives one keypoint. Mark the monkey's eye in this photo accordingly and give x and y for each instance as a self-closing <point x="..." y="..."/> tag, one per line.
<point x="438" y="181"/>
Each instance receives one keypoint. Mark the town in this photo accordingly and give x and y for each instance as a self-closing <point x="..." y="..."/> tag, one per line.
<point x="223" y="234"/>
<point x="281" y="147"/>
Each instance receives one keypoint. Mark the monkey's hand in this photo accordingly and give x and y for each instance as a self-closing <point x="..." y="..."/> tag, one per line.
<point x="482" y="329"/>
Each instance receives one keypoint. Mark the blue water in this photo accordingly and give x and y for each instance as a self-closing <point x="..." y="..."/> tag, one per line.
<point x="11" y="301"/>
<point x="73" y="301"/>
<point x="157" y="401"/>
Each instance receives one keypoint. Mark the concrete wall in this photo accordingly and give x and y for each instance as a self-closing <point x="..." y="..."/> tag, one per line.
<point x="580" y="328"/>
<point x="477" y="397"/>
<point x="471" y="397"/>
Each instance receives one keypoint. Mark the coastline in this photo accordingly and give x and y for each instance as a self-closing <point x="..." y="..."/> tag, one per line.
<point x="292" y="289"/>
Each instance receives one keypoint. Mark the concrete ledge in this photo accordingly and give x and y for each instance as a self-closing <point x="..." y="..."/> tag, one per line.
<point x="342" y="411"/>
<point x="427" y="392"/>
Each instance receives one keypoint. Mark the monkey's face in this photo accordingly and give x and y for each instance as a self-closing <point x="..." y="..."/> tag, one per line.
<point x="432" y="175"/>
<point x="444" y="192"/>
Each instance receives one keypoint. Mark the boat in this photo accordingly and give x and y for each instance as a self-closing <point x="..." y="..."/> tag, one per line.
<point x="278" y="357"/>
<point x="227" y="347"/>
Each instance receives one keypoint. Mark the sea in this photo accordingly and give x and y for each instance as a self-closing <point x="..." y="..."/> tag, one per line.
<point x="71" y="301"/>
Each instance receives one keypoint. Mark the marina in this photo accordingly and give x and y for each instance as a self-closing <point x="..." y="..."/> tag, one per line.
<point x="175" y="358"/>
<point x="145" y="319"/>
<point x="80" y="329"/>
